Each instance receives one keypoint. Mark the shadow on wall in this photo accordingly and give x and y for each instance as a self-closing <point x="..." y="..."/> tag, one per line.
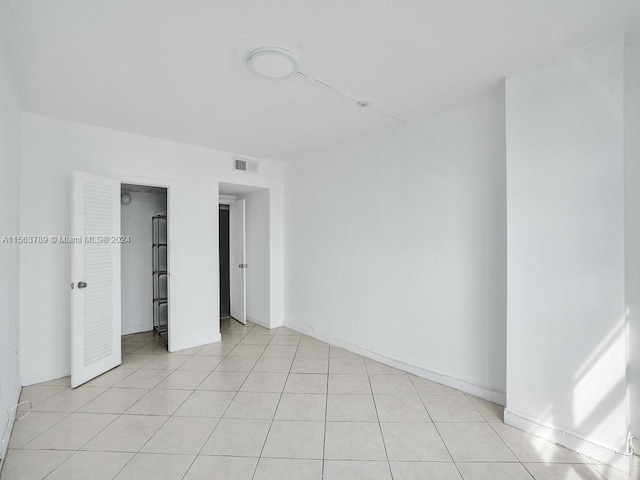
<point x="594" y="383"/>
<point x="595" y="387"/>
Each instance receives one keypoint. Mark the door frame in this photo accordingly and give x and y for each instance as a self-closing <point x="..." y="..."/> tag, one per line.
<point x="227" y="199"/>
<point x="168" y="184"/>
<point x="235" y="190"/>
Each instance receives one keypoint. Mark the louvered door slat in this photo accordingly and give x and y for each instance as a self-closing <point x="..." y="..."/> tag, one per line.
<point x="96" y="308"/>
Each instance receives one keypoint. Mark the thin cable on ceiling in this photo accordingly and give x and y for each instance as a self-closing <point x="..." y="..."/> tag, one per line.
<point x="358" y="101"/>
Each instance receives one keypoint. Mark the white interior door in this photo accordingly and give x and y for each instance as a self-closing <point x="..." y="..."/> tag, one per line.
<point x="95" y="317"/>
<point x="237" y="267"/>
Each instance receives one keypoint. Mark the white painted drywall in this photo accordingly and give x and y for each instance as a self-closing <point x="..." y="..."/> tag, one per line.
<point x="396" y="244"/>
<point x="276" y="254"/>
<point x="257" y="234"/>
<point x="137" y="288"/>
<point x="51" y="151"/>
<point x="9" y="225"/>
<point x="566" y="331"/>
<point x="632" y="227"/>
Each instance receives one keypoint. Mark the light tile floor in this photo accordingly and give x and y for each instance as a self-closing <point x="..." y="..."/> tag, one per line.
<point x="272" y="404"/>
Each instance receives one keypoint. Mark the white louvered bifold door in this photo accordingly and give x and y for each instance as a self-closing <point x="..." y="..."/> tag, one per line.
<point x="95" y="316"/>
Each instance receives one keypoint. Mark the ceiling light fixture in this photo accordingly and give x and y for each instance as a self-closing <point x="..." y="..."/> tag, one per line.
<point x="272" y="62"/>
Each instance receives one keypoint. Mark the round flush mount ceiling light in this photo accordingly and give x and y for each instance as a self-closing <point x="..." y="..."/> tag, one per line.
<point x="272" y="62"/>
<point x="125" y="198"/>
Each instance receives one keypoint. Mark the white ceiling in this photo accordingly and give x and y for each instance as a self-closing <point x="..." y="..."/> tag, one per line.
<point x="176" y="69"/>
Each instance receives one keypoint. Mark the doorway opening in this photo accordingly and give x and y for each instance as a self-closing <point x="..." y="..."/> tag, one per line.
<point x="244" y="253"/>
<point x="144" y="268"/>
<point x="225" y="287"/>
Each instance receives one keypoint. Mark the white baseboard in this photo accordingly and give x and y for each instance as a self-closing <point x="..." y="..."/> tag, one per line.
<point x="137" y="328"/>
<point x="194" y="341"/>
<point x="573" y="441"/>
<point x="258" y="321"/>
<point x="277" y="323"/>
<point x="45" y="374"/>
<point x="270" y="324"/>
<point x="4" y="442"/>
<point x="448" y="380"/>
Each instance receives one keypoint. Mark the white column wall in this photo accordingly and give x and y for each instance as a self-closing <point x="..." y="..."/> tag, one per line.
<point x="632" y="225"/>
<point x="566" y="354"/>
<point x="9" y="266"/>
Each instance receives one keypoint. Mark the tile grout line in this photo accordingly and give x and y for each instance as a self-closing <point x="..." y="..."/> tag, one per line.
<point x="76" y="411"/>
<point x="436" y="429"/>
<point x="139" y="451"/>
<point x="586" y="462"/>
<point x="228" y="406"/>
<point x="68" y="414"/>
<point x="135" y="454"/>
<point x="501" y="439"/>
<point x="122" y="414"/>
<point x="511" y="450"/>
<point x="326" y="412"/>
<point x="118" y="415"/>
<point x="113" y="387"/>
<point x="277" y="405"/>
<point x="375" y="405"/>
<point x="95" y="413"/>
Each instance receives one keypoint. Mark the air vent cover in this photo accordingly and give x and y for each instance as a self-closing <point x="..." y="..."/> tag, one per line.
<point x="244" y="165"/>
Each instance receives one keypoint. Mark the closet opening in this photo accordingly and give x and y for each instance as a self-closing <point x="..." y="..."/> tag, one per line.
<point x="145" y="268"/>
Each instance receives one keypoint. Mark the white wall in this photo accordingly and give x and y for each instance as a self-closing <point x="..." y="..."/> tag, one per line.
<point x="257" y="253"/>
<point x="137" y="288"/>
<point x="566" y="331"/>
<point x="276" y="254"/>
<point x="396" y="245"/>
<point x="51" y="151"/>
<point x="9" y="225"/>
<point x="632" y="227"/>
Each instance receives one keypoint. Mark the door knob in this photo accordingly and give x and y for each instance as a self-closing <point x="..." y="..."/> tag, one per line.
<point x="82" y="284"/>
